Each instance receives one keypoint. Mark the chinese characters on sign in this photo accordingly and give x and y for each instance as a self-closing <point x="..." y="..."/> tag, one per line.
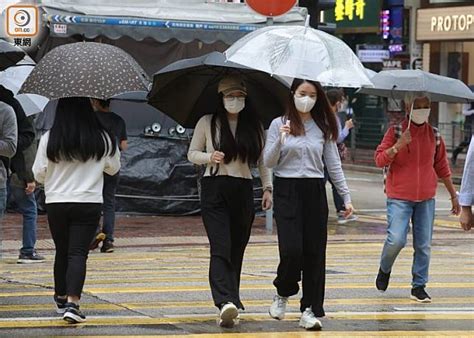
<point x="22" y="42"/>
<point x="349" y="9"/>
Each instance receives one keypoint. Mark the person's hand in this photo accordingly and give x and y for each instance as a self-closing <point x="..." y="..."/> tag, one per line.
<point x="267" y="200"/>
<point x="30" y="188"/>
<point x="349" y="124"/>
<point x="404" y="140"/>
<point x="217" y="157"/>
<point x="349" y="210"/>
<point x="466" y="218"/>
<point x="285" y="129"/>
<point x="455" y="206"/>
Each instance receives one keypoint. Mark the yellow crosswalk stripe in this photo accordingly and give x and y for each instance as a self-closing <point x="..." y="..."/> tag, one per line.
<point x="126" y="321"/>
<point x="248" y="304"/>
<point x="196" y="288"/>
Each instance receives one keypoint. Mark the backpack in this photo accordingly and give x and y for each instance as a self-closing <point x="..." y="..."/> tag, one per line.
<point x="398" y="129"/>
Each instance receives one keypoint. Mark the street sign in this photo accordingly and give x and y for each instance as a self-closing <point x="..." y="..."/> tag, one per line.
<point x="271" y="7"/>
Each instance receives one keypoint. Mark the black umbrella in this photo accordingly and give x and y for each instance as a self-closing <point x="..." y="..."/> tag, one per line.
<point x="9" y="55"/>
<point x="187" y="89"/>
<point x="87" y="69"/>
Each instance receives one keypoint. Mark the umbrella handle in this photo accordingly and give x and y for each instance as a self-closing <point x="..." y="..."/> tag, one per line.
<point x="411" y="114"/>
<point x="214" y="170"/>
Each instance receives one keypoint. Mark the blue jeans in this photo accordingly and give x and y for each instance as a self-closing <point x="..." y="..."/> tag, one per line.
<point x="399" y="214"/>
<point x="26" y="205"/>
<point x="108" y="208"/>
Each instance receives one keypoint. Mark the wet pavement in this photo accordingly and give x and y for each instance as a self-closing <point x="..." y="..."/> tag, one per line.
<point x="156" y="281"/>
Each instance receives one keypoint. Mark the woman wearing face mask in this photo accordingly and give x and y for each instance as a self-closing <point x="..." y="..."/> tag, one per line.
<point x="295" y="152"/>
<point x="229" y="142"/>
<point x="416" y="157"/>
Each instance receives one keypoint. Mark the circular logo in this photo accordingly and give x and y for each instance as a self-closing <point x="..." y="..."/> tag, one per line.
<point x="271" y="7"/>
<point x="22" y="18"/>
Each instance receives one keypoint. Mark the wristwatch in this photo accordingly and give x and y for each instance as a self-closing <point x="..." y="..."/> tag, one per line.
<point x="268" y="189"/>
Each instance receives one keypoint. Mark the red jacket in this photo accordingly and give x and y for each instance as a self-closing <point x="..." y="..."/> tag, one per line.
<point x="414" y="171"/>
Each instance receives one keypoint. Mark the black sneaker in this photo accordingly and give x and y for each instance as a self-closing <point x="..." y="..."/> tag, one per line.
<point x="60" y="304"/>
<point x="382" y="281"/>
<point x="107" y="246"/>
<point x="73" y="315"/>
<point x="30" y="258"/>
<point x="96" y="241"/>
<point x="419" y="294"/>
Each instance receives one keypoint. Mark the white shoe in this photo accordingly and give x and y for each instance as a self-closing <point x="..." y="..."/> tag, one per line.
<point x="309" y="321"/>
<point x="342" y="220"/>
<point x="278" y="307"/>
<point x="229" y="315"/>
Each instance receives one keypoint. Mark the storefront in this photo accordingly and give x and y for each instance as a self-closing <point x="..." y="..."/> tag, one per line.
<point x="446" y="30"/>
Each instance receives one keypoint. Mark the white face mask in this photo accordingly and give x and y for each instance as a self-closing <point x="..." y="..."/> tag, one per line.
<point x="420" y="116"/>
<point x="304" y="104"/>
<point x="234" y="105"/>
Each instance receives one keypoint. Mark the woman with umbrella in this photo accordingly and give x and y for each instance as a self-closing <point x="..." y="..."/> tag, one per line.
<point x="295" y="152"/>
<point x="74" y="155"/>
<point x="229" y="142"/>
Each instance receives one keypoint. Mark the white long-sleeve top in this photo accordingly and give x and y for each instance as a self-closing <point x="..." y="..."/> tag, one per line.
<point x="201" y="149"/>
<point x="73" y="181"/>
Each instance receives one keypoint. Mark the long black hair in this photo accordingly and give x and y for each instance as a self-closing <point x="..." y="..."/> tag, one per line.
<point x="77" y="133"/>
<point x="322" y="112"/>
<point x="249" y="140"/>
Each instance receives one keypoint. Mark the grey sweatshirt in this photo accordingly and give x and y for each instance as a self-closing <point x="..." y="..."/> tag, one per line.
<point x="466" y="195"/>
<point x="302" y="156"/>
<point x="8" y="138"/>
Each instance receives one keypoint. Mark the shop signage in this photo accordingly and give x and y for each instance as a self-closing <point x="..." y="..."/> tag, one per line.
<point x="451" y="23"/>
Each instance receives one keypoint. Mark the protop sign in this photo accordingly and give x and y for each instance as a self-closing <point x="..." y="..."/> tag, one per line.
<point x="449" y="23"/>
<point x="271" y="7"/>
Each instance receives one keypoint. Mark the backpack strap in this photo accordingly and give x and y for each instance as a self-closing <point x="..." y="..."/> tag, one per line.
<point x="398" y="130"/>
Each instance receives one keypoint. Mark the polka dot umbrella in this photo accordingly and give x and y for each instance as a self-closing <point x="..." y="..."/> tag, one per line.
<point x="86" y="69"/>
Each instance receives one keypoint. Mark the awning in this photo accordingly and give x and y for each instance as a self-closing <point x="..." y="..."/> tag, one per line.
<point x="158" y="19"/>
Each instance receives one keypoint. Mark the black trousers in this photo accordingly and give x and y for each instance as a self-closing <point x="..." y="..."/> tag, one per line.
<point x="228" y="213"/>
<point x="108" y="208"/>
<point x="301" y="214"/>
<point x="73" y="227"/>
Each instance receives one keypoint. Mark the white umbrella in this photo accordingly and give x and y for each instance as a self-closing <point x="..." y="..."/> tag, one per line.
<point x="300" y="52"/>
<point x="370" y="73"/>
<point x="13" y="77"/>
<point x="396" y="84"/>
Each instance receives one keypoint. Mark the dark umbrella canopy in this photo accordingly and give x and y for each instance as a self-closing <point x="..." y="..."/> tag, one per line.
<point x="87" y="69"/>
<point x="9" y="55"/>
<point x="187" y="89"/>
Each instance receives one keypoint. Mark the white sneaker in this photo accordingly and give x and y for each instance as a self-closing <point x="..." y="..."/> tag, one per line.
<point x="342" y="220"/>
<point x="278" y="307"/>
<point x="229" y="315"/>
<point x="309" y="321"/>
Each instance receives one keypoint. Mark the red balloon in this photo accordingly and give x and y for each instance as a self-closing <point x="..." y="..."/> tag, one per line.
<point x="271" y="7"/>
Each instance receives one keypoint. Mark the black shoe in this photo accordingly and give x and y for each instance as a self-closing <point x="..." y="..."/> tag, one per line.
<point x="382" y="280"/>
<point x="30" y="258"/>
<point x="419" y="294"/>
<point x="73" y="315"/>
<point x="96" y="241"/>
<point x="107" y="246"/>
<point x="60" y="304"/>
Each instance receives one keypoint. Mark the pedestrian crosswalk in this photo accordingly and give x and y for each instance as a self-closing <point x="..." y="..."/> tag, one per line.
<point x="165" y="291"/>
